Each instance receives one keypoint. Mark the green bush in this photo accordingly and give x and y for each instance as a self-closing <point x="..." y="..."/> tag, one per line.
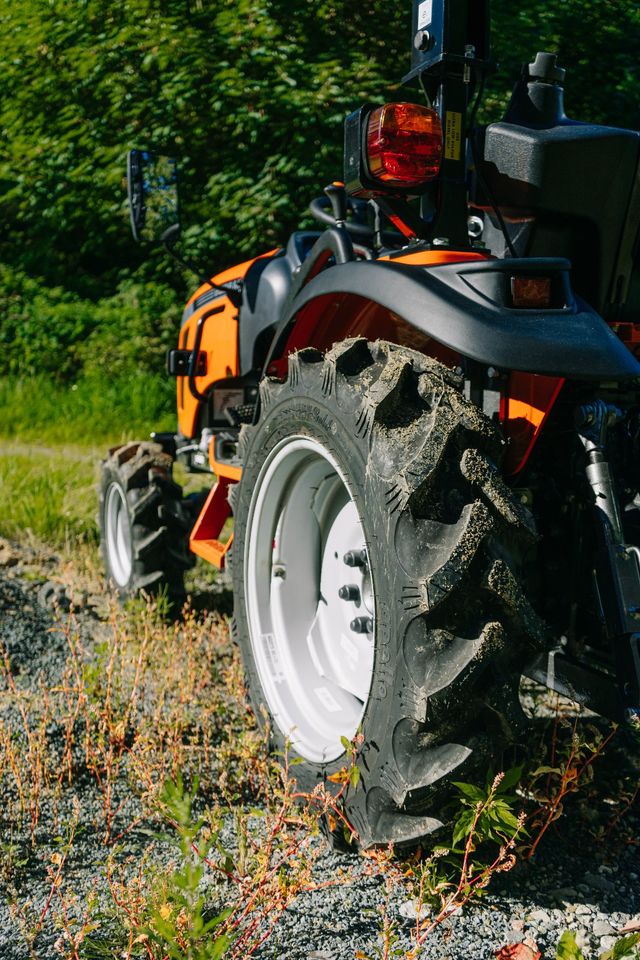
<point x="249" y="94"/>
<point x="51" y="331"/>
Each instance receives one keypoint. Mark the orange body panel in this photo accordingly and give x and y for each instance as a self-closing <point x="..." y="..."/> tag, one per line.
<point x="527" y="404"/>
<point x="432" y="258"/>
<point x="219" y="344"/>
<point x="203" y="539"/>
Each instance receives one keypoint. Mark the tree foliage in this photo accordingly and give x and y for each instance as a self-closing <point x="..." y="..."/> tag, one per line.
<point x="250" y="95"/>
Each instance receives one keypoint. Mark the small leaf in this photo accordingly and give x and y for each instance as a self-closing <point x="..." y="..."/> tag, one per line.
<point x="623" y="949"/>
<point x="354" y="777"/>
<point x="518" y="951"/>
<point x="567" y="948"/>
<point x="462" y="827"/>
<point x="474" y="793"/>
<point x="219" y="947"/>
<point x="511" y="778"/>
<point x="341" y="776"/>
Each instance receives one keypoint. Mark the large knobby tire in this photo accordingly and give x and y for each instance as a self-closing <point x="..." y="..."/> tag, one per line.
<point x="144" y="523"/>
<point x="374" y="448"/>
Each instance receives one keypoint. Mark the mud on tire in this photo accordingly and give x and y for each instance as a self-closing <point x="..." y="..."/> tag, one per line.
<point x="144" y="522"/>
<point x="445" y="540"/>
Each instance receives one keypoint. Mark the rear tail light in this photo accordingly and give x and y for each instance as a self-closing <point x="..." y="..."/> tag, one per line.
<point x="404" y="144"/>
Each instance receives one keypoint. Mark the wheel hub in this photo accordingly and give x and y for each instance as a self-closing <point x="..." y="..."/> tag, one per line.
<point x="304" y="597"/>
<point x="118" y="535"/>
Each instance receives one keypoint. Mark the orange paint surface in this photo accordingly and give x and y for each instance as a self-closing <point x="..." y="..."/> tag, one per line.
<point x="219" y="344"/>
<point x="432" y="258"/>
<point x="519" y="410"/>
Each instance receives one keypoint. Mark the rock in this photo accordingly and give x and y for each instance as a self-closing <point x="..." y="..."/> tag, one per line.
<point x="564" y="893"/>
<point x="412" y="909"/>
<point x="582" y="939"/>
<point x="582" y="909"/>
<point x="599" y="883"/>
<point x="539" y="916"/>
<point x="602" y="928"/>
<point x="8" y="556"/>
<point x="608" y="943"/>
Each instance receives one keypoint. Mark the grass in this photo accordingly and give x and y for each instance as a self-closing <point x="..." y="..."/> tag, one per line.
<point x="93" y="411"/>
<point x="52" y="439"/>
<point x="49" y="497"/>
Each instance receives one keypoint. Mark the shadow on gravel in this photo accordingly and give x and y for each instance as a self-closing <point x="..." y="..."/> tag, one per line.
<point x="217" y="600"/>
<point x="27" y="632"/>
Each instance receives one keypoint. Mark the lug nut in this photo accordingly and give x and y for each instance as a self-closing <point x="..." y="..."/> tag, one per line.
<point x="362" y="625"/>
<point x="355" y="558"/>
<point x="349" y="592"/>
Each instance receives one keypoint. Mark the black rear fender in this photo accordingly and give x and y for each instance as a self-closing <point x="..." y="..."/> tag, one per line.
<point x="466" y="308"/>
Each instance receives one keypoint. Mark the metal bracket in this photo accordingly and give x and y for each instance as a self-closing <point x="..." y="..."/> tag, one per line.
<point x="617" y="568"/>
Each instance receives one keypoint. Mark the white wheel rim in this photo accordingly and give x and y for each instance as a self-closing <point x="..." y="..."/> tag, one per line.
<point x="315" y="670"/>
<point x="118" y="529"/>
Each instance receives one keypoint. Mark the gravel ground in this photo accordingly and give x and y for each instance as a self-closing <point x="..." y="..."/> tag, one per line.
<point x="574" y="882"/>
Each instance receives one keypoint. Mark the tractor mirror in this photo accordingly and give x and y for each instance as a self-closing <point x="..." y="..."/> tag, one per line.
<point x="152" y="186"/>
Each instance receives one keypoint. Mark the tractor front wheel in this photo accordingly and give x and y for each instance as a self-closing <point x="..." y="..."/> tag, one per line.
<point x="144" y="522"/>
<point x="376" y="581"/>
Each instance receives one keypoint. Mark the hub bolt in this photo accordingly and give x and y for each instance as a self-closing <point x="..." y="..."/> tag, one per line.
<point x="362" y="625"/>
<point x="355" y="558"/>
<point x="349" y="592"/>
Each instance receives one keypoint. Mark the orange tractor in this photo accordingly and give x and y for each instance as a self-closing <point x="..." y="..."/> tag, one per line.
<point x="424" y="418"/>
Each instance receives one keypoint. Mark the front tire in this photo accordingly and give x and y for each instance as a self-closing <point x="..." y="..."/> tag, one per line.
<point x="144" y="523"/>
<point x="376" y="585"/>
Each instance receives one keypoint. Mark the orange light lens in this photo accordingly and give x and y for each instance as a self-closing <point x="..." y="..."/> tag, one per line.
<point x="531" y="293"/>
<point x="404" y="144"/>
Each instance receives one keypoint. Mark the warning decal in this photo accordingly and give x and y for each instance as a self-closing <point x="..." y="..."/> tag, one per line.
<point x="271" y="654"/>
<point x="425" y="14"/>
<point x="452" y="135"/>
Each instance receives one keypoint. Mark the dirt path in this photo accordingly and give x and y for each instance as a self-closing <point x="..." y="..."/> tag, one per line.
<point x="19" y="448"/>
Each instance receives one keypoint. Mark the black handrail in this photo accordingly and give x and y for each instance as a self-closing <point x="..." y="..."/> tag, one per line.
<point x="195" y="354"/>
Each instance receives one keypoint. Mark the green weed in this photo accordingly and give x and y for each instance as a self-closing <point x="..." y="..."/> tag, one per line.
<point x="627" y="948"/>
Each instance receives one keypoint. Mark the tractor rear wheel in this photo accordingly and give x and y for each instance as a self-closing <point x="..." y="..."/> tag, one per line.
<point x="144" y="522"/>
<point x="376" y="581"/>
